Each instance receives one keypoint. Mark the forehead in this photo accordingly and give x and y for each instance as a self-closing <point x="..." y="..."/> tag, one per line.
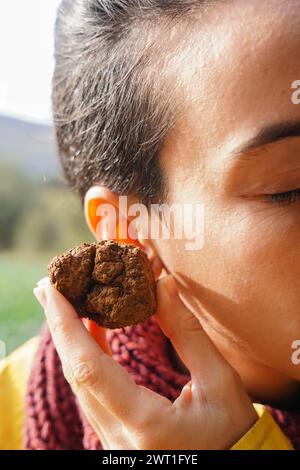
<point x="238" y="73"/>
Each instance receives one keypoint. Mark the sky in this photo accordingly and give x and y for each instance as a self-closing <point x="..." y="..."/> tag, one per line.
<point x="26" y="58"/>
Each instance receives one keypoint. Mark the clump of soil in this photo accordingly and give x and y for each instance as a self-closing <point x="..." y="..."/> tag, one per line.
<point x="111" y="283"/>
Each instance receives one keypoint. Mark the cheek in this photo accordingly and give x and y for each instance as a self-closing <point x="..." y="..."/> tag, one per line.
<point x="245" y="282"/>
<point x="261" y="272"/>
<point x="262" y="253"/>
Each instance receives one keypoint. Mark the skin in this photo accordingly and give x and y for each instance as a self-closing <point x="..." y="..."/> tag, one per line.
<point x="248" y="242"/>
<point x="240" y="294"/>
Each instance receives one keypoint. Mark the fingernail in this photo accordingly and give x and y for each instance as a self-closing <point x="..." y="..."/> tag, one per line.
<point x="41" y="296"/>
<point x="43" y="281"/>
<point x="171" y="286"/>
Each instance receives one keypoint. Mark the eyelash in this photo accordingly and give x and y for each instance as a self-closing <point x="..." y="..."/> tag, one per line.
<point x="286" y="198"/>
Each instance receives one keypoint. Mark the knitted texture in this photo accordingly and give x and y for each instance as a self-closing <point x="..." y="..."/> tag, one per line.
<point x="54" y="420"/>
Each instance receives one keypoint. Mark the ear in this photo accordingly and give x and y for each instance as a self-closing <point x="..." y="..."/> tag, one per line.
<point x="99" y="200"/>
<point x="102" y="205"/>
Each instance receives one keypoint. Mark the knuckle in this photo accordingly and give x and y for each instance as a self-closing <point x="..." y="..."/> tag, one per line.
<point x="191" y="328"/>
<point x="189" y="325"/>
<point x="192" y="325"/>
<point x="84" y="374"/>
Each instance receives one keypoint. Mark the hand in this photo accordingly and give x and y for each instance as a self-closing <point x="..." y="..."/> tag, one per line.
<point x="212" y="412"/>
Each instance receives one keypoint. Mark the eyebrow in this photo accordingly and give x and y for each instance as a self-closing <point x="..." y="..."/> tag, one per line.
<point x="268" y="135"/>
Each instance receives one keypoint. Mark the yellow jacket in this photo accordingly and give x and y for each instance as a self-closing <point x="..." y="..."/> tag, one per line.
<point x="14" y="371"/>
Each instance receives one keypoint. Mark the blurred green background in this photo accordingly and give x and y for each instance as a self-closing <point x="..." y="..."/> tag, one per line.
<point x="39" y="218"/>
<point x="39" y="215"/>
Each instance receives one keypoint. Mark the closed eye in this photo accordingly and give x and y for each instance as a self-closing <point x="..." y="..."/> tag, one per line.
<point x="286" y="198"/>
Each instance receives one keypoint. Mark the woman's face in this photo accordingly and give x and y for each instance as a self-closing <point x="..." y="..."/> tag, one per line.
<point x="228" y="153"/>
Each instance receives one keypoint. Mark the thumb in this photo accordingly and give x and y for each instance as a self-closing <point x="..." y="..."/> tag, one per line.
<point x="185" y="331"/>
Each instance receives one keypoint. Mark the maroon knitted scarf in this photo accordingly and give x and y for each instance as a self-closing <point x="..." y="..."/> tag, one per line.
<point x="54" y="420"/>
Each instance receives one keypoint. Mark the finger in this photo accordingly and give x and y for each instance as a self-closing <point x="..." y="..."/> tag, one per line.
<point x="185" y="331"/>
<point x="109" y="429"/>
<point x="96" y="331"/>
<point x="85" y="363"/>
<point x="94" y="421"/>
<point x="102" y="421"/>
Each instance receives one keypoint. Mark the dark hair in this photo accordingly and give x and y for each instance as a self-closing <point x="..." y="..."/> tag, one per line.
<point x="113" y="99"/>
